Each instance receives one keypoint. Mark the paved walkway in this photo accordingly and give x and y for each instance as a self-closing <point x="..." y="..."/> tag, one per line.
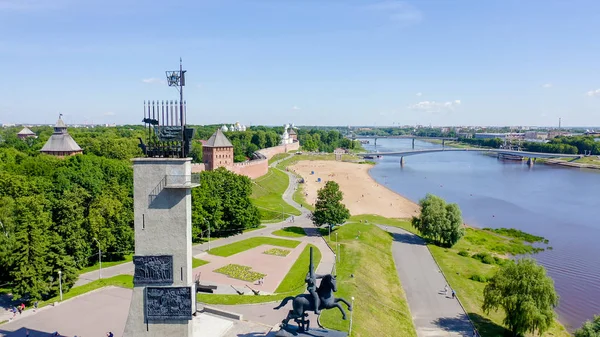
<point x="91" y="314"/>
<point x="433" y="312"/>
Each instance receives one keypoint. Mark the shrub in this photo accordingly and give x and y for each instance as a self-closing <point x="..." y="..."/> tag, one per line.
<point x="463" y="253"/>
<point x="479" y="278"/>
<point x="485" y="258"/>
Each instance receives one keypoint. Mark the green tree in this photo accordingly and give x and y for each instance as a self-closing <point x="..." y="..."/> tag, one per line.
<point x="439" y="221"/>
<point x="329" y="209"/>
<point x="526" y="294"/>
<point x="30" y="272"/>
<point x="223" y="201"/>
<point x="589" y="328"/>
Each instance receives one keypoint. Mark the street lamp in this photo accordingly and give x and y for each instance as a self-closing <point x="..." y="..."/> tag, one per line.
<point x="337" y="247"/>
<point x="329" y="226"/>
<point x="99" y="258"/>
<point x="350" y="330"/>
<point x="60" y="283"/>
<point x="208" y="224"/>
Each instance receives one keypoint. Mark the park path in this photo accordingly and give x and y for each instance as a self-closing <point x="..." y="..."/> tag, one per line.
<point x="433" y="312"/>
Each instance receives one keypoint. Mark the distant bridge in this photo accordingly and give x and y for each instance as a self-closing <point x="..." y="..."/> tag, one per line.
<point x="499" y="152"/>
<point x="443" y="139"/>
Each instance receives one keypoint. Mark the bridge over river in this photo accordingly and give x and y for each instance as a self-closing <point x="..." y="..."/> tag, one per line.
<point x="500" y="152"/>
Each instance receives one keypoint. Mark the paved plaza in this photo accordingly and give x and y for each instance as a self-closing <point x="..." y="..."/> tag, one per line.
<point x="91" y="314"/>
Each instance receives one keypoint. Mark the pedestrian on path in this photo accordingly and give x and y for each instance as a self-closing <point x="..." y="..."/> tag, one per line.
<point x="35" y="305"/>
<point x="446" y="290"/>
<point x="453" y="294"/>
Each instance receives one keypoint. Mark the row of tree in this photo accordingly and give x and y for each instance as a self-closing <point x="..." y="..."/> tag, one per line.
<point x="325" y="141"/>
<point x="56" y="213"/>
<point x="562" y="144"/>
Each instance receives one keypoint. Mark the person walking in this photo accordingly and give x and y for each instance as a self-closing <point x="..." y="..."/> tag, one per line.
<point x="453" y="294"/>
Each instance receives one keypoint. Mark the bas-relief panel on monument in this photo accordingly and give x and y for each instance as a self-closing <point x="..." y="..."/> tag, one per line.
<point x="156" y="269"/>
<point x="169" y="303"/>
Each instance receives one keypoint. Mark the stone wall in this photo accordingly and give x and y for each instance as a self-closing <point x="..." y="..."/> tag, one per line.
<point x="271" y="151"/>
<point x="254" y="168"/>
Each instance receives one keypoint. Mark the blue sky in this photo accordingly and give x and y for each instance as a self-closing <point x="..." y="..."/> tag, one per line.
<point x="327" y="62"/>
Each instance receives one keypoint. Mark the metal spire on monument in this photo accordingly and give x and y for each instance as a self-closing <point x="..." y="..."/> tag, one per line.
<point x="168" y="137"/>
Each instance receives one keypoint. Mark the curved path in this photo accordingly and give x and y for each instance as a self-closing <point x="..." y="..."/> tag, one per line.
<point x="434" y="313"/>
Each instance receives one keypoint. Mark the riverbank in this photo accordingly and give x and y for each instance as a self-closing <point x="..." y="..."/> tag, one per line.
<point x="362" y="194"/>
<point x="465" y="274"/>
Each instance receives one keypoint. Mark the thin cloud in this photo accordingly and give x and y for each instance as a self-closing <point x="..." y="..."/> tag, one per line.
<point x="152" y="80"/>
<point x="109" y="113"/>
<point x="419" y="94"/>
<point x="547" y="85"/>
<point x="433" y="106"/>
<point x="295" y="107"/>
<point x="398" y="11"/>
<point x="593" y="93"/>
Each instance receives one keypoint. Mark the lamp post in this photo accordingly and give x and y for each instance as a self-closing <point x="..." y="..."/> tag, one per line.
<point x="60" y="284"/>
<point x="329" y="226"/>
<point x="208" y="224"/>
<point x="350" y="330"/>
<point x="99" y="259"/>
<point x="337" y="247"/>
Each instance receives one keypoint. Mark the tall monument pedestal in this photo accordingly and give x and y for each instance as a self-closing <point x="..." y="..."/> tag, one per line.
<point x="163" y="298"/>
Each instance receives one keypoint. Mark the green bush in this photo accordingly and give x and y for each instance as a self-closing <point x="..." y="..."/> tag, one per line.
<point x="479" y="278"/>
<point x="484" y="258"/>
<point x="463" y="253"/>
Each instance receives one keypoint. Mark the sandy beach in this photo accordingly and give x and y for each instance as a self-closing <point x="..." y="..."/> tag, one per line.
<point x="362" y="194"/>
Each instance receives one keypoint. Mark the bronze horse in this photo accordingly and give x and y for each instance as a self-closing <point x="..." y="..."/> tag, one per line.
<point x="305" y="302"/>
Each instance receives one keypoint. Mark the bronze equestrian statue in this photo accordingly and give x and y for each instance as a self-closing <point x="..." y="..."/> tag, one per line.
<point x="316" y="300"/>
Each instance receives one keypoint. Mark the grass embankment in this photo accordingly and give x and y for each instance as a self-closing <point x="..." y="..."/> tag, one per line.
<point x="266" y="195"/>
<point x="240" y="246"/>
<point x="128" y="258"/>
<point x="460" y="269"/>
<point x="277" y="157"/>
<point x="292" y="232"/>
<point x="380" y="306"/>
<point x="292" y="285"/>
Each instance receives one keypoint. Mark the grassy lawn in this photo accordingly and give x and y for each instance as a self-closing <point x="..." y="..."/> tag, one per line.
<point x="294" y="280"/>
<point x="293" y="232"/>
<point x="588" y="160"/>
<point x="277" y="252"/>
<point x="380" y="307"/>
<point x="240" y="272"/>
<point x="240" y="246"/>
<point x="266" y="195"/>
<point x="128" y="258"/>
<point x="299" y="197"/>
<point x="459" y="270"/>
<point x="277" y="157"/>
<point x="197" y="262"/>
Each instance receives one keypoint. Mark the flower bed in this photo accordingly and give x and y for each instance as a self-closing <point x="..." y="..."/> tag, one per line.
<point x="239" y="272"/>
<point x="277" y="252"/>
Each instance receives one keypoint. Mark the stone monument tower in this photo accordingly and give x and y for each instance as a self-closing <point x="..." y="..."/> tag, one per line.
<point x="163" y="300"/>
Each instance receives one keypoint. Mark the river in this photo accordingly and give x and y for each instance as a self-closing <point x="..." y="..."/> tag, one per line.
<point x="558" y="203"/>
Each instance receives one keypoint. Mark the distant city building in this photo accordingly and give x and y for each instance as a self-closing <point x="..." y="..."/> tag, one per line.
<point x="61" y="144"/>
<point x="217" y="151"/>
<point x="26" y="133"/>
<point x="464" y="135"/>
<point x="490" y="135"/>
